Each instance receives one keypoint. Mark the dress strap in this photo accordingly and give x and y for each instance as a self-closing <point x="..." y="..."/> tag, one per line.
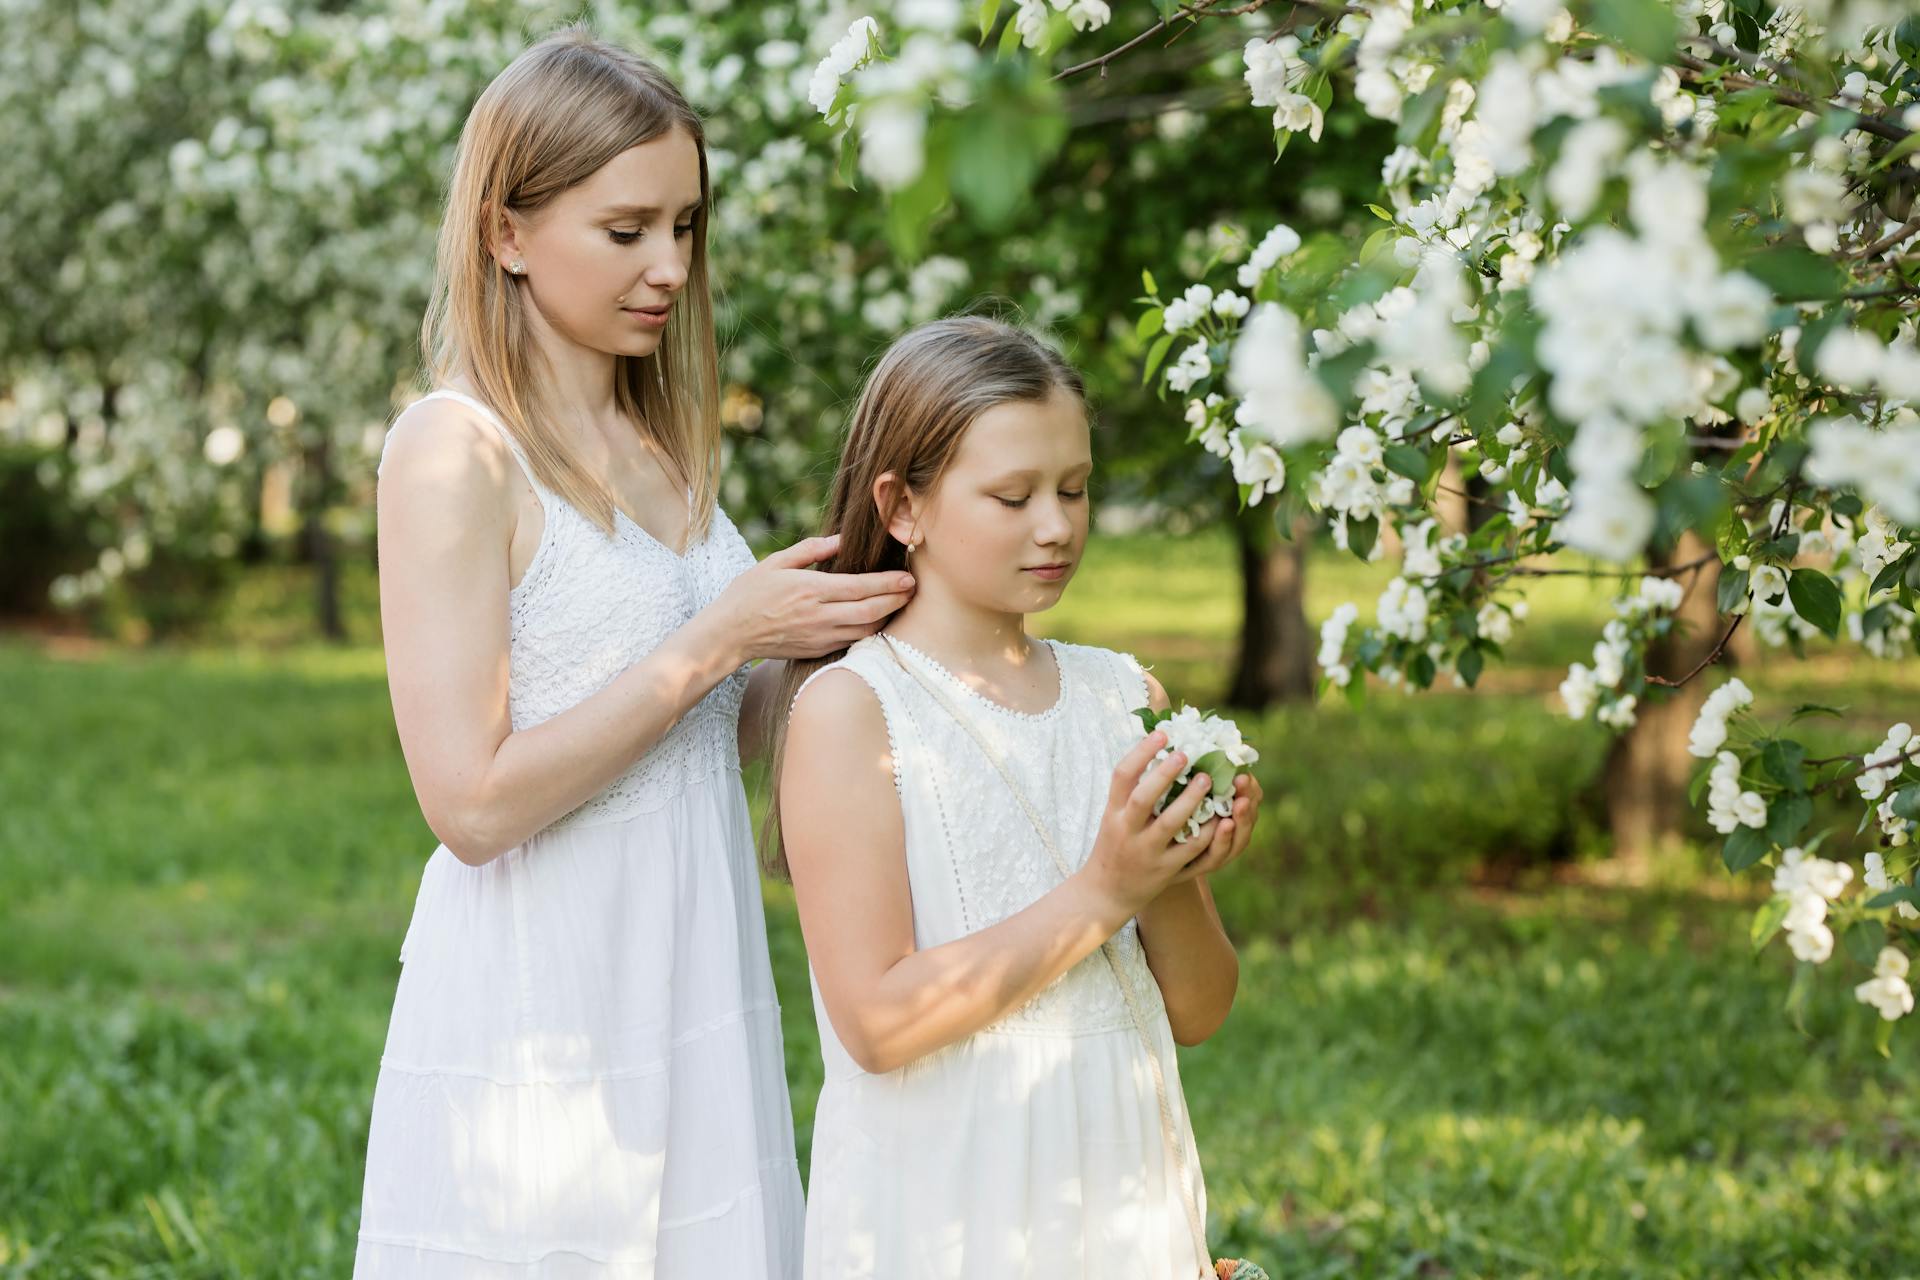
<point x="493" y="419"/>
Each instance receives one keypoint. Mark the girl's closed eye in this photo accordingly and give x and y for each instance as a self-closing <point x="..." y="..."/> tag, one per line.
<point x="1070" y="495"/>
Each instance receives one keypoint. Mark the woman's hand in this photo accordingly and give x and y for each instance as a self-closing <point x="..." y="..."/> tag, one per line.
<point x="783" y="608"/>
<point x="1135" y="856"/>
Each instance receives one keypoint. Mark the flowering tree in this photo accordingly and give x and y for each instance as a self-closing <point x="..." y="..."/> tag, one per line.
<point x="215" y="245"/>
<point x="1644" y="266"/>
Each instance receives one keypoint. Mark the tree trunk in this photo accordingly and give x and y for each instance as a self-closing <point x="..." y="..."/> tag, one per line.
<point x="1450" y="504"/>
<point x="1276" y="644"/>
<point x="1648" y="767"/>
<point x="317" y="541"/>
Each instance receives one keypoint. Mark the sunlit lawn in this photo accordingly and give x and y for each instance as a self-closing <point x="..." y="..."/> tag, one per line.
<point x="207" y="859"/>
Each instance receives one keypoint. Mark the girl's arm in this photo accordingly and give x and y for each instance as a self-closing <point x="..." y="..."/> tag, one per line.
<point x="1187" y="948"/>
<point x="846" y="845"/>
<point x="446" y="502"/>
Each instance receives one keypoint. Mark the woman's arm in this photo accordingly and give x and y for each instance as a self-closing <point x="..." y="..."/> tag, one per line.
<point x="1187" y="948"/>
<point x="846" y="845"/>
<point x="445" y="522"/>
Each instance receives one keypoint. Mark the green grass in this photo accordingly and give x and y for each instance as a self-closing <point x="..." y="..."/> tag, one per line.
<point x="207" y="859"/>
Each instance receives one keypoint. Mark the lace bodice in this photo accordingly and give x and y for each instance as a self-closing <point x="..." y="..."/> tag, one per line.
<point x="972" y="857"/>
<point x="589" y="606"/>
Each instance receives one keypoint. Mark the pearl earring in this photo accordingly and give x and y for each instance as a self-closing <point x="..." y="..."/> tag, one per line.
<point x="518" y="266"/>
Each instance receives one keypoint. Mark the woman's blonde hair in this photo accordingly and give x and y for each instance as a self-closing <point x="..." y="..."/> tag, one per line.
<point x="924" y="393"/>
<point x="559" y="111"/>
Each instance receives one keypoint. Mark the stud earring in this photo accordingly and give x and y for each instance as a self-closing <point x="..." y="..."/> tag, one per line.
<point x="518" y="266"/>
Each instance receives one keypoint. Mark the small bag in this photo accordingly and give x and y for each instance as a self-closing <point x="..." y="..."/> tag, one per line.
<point x="1225" y="1268"/>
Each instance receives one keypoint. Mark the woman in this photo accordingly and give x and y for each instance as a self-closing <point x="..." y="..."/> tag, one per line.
<point x="583" y="1074"/>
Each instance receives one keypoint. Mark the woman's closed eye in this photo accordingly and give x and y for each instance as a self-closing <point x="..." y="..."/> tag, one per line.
<point x="628" y="237"/>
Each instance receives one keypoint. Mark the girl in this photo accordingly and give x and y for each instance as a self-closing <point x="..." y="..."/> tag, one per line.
<point x="989" y="1108"/>
<point x="583" y="1074"/>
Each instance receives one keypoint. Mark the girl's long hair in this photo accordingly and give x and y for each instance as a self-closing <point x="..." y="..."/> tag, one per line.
<point x="924" y="393"/>
<point x="559" y="111"/>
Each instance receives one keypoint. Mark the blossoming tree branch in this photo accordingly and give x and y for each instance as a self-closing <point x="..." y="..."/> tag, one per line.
<point x="1647" y="267"/>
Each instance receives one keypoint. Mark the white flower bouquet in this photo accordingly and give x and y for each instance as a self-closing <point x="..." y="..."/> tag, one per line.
<point x="1213" y="746"/>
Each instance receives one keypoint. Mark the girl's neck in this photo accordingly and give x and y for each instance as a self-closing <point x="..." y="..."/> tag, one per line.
<point x="963" y="637"/>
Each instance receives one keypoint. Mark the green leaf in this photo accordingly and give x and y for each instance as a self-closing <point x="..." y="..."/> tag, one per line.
<point x="1797" y="274"/>
<point x="1469" y="664"/>
<point x="1420" y="115"/>
<point x="1487" y="403"/>
<point x="1744" y="847"/>
<point x="1893" y="897"/>
<point x="1148" y="718"/>
<point x="1732" y="589"/>
<point x="1361" y="535"/>
<point x="1146" y="278"/>
<point x="1219" y="771"/>
<point x="1647" y="27"/>
<point x="1864" y="940"/>
<point x="998" y="148"/>
<point x="1009" y="40"/>
<point x="989" y="10"/>
<point x="1787" y="816"/>
<point x="1887" y="577"/>
<point x="1898" y="152"/>
<point x="1883" y="1028"/>
<point x="1906" y="803"/>
<point x="1797" y="992"/>
<point x="912" y="209"/>
<point x="1155" y="354"/>
<point x="1380" y="213"/>
<point x="1149" y="324"/>
<point x="1404" y="459"/>
<point x="1816" y="598"/>
<point x="1766" y="921"/>
<point x="1782" y="759"/>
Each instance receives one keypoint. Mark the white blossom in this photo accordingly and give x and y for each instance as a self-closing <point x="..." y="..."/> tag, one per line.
<point x="1887" y="991"/>
<point x="850" y="52"/>
<point x="1281" y="399"/>
<point x="1275" y="245"/>
<point x="1710" y="726"/>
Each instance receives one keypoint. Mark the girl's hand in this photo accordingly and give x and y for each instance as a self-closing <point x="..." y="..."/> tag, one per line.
<point x="1233" y="833"/>
<point x="1135" y="857"/>
<point x="783" y="608"/>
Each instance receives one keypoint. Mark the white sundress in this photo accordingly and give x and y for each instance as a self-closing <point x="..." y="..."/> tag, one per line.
<point x="583" y="1075"/>
<point x="1034" y="1147"/>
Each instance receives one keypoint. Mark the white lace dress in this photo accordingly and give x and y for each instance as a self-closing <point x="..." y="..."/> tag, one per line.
<point x="1033" y="1148"/>
<point x="583" y="1074"/>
